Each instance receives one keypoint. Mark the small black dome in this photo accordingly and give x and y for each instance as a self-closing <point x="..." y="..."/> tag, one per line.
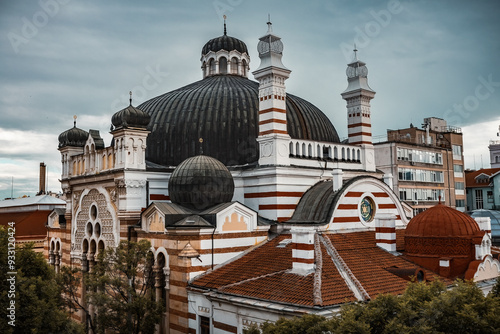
<point x="73" y="137"/>
<point x="201" y="182"/>
<point x="130" y="117"/>
<point x="224" y="42"/>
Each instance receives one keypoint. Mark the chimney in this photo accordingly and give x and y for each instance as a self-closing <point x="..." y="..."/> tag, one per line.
<point x="388" y="180"/>
<point x="337" y="178"/>
<point x="385" y="231"/>
<point x="303" y="249"/>
<point x="43" y="170"/>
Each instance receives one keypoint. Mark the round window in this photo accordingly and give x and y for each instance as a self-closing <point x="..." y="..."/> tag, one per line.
<point x="367" y="209"/>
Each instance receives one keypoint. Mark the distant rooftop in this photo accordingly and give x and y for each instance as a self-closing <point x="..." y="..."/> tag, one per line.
<point x="30" y="201"/>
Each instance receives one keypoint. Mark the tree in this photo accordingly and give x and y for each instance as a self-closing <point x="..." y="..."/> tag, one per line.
<point x="423" y="308"/>
<point x="120" y="293"/>
<point x="39" y="307"/>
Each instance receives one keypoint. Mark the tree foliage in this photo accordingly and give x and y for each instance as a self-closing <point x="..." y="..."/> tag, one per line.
<point x="120" y="294"/>
<point x="423" y="308"/>
<point x="39" y="307"/>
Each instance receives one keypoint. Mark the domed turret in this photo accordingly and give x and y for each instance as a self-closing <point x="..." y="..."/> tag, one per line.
<point x="201" y="182"/>
<point x="442" y="234"/>
<point x="225" y="55"/>
<point x="130" y="117"/>
<point x="73" y="137"/>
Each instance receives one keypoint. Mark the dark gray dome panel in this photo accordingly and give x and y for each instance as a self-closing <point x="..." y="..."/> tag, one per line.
<point x="201" y="182"/>
<point x="224" y="111"/>
<point x="224" y="42"/>
<point x="73" y="137"/>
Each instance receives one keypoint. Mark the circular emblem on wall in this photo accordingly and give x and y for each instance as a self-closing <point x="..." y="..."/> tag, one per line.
<point x="367" y="209"/>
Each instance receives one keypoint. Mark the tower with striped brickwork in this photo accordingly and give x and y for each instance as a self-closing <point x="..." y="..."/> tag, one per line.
<point x="273" y="134"/>
<point x="358" y="95"/>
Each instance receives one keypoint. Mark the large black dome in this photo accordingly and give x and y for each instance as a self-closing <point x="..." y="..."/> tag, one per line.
<point x="200" y="182"/>
<point x="224" y="111"/>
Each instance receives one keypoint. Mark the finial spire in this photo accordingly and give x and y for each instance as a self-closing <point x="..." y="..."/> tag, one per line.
<point x="74" y="121"/>
<point x="439" y="199"/>
<point x="201" y="145"/>
<point x="355" y="53"/>
<point x="130" y="97"/>
<point x="225" y="31"/>
<point x="269" y="24"/>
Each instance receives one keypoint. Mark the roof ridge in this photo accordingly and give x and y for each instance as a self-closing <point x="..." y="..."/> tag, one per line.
<point x="317" y="298"/>
<point x="252" y="279"/>
<point x="344" y="271"/>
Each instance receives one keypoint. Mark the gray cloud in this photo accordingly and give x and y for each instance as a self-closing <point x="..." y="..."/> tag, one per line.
<point x="88" y="55"/>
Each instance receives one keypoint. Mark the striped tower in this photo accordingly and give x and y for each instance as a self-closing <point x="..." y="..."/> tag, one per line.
<point x="273" y="134"/>
<point x="358" y="95"/>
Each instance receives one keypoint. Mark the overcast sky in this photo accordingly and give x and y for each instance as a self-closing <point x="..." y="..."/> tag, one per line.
<point x="61" y="58"/>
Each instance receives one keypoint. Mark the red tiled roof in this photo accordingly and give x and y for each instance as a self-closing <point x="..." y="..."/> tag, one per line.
<point x="265" y="273"/>
<point x="31" y="223"/>
<point x="368" y="262"/>
<point x="470" y="177"/>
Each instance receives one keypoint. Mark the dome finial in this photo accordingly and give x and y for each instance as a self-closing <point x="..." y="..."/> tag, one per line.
<point x="225" y="31"/>
<point x="130" y="97"/>
<point x="439" y="199"/>
<point x="74" y="121"/>
<point x="201" y="146"/>
<point x="269" y="24"/>
<point x="355" y="53"/>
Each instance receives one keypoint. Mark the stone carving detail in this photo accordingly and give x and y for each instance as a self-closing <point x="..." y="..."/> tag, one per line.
<point x="104" y="216"/>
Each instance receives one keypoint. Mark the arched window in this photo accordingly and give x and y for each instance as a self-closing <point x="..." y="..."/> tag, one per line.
<point x="497" y="159"/>
<point x="222" y="65"/>
<point x="310" y="151"/>
<point x="291" y="148"/>
<point x="335" y="153"/>
<point x="110" y="160"/>
<point x="234" y="65"/>
<point x="303" y="149"/>
<point x="244" y="67"/>
<point x="297" y="149"/>
<point x="348" y="154"/>
<point x="343" y="153"/>
<point x="211" y="67"/>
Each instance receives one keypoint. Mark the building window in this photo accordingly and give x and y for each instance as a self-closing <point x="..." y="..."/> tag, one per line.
<point x="204" y="325"/>
<point x="459" y="186"/>
<point x="457" y="152"/>
<point x="489" y="194"/>
<point x="458" y="168"/>
<point x="460" y="203"/>
<point x="479" y="198"/>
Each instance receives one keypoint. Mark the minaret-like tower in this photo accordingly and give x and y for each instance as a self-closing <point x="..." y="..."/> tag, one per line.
<point x="273" y="134"/>
<point x="358" y="95"/>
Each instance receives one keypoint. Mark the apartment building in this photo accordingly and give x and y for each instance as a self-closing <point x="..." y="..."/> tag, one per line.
<point x="426" y="164"/>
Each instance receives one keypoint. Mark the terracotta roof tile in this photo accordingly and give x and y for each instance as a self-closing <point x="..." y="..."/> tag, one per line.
<point x="470" y="177"/>
<point x="254" y="264"/>
<point x="264" y="273"/>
